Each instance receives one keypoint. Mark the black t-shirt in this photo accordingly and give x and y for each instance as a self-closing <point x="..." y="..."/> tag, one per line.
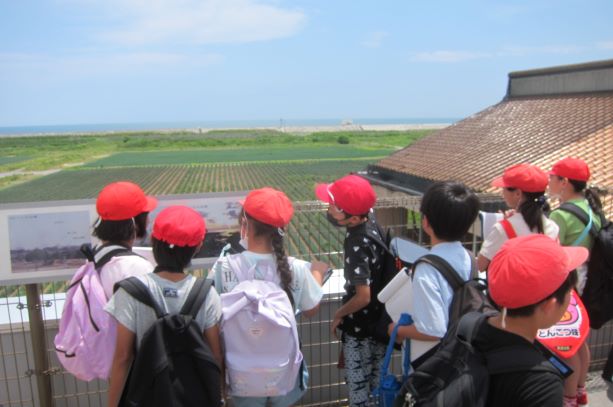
<point x="362" y="259"/>
<point x="525" y="389"/>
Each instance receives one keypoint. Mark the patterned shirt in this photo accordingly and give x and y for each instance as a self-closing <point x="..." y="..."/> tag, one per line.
<point x="361" y="259"/>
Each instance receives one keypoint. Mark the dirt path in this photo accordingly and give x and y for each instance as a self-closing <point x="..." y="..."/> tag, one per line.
<point x="23" y="172"/>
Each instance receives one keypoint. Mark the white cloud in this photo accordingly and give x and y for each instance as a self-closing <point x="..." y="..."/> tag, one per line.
<point x="605" y="45"/>
<point x="451" y="56"/>
<point x="446" y="56"/>
<point x="534" y="50"/>
<point x="193" y="22"/>
<point x="375" y="39"/>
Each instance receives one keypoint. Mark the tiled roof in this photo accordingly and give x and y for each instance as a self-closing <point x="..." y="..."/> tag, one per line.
<point x="539" y="130"/>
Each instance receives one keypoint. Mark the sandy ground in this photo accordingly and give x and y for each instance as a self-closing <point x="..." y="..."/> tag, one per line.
<point x="22" y="172"/>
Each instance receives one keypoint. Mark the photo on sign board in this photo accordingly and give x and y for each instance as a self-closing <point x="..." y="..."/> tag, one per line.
<point x="47" y="241"/>
<point x="221" y="216"/>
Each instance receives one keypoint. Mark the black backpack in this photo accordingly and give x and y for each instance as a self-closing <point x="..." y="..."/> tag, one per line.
<point x="389" y="266"/>
<point x="459" y="375"/>
<point x="174" y="365"/>
<point x="468" y="295"/>
<point x="598" y="292"/>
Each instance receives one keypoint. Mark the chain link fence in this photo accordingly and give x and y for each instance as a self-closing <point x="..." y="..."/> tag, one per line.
<point x="30" y="374"/>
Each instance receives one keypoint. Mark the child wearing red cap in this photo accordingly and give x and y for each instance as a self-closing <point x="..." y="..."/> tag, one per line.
<point x="178" y="233"/>
<point x="266" y="213"/>
<point x="123" y="209"/>
<point x="350" y="200"/>
<point x="523" y="190"/>
<point x="530" y="279"/>
<point x="568" y="182"/>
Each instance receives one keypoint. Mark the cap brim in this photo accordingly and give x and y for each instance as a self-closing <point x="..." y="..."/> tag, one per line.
<point x="577" y="255"/>
<point x="321" y="191"/>
<point x="152" y="203"/>
<point x="498" y="182"/>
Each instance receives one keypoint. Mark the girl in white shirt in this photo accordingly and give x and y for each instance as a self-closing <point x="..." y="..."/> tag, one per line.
<point x="523" y="190"/>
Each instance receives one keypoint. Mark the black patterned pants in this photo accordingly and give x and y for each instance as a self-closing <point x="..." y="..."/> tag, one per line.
<point x="363" y="358"/>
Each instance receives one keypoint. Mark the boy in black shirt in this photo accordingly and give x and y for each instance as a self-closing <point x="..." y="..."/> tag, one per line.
<point x="530" y="278"/>
<point x="350" y="200"/>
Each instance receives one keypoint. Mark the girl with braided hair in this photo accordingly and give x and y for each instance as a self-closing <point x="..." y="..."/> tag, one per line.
<point x="265" y="215"/>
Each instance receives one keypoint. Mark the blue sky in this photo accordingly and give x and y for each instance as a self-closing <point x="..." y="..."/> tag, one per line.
<point x="110" y="61"/>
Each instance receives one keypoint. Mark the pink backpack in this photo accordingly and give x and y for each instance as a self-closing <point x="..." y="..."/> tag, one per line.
<point x="262" y="349"/>
<point x="85" y="343"/>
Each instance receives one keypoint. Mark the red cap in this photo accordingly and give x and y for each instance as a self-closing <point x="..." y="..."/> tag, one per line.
<point x="525" y="177"/>
<point x="571" y="168"/>
<point x="179" y="225"/>
<point x="352" y="194"/>
<point x="528" y="269"/>
<point x="123" y="200"/>
<point x="269" y="206"/>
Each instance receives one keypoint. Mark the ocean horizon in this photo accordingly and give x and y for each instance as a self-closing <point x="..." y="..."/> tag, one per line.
<point x="206" y="124"/>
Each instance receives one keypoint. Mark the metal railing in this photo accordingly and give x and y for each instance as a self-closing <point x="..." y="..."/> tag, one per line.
<point x="30" y="373"/>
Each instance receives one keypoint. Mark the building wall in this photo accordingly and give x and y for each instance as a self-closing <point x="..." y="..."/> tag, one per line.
<point x="583" y="81"/>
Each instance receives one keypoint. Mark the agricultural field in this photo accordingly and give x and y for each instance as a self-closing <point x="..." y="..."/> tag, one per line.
<point x="57" y="152"/>
<point x="226" y="155"/>
<point x="297" y="179"/>
<point x="187" y="163"/>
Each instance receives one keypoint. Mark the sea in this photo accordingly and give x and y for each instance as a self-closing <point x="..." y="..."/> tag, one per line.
<point x="206" y="124"/>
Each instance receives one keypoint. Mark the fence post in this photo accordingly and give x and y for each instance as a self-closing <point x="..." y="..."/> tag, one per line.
<point x="39" y="345"/>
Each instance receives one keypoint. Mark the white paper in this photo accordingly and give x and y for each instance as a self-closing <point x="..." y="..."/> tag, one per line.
<point x="488" y="220"/>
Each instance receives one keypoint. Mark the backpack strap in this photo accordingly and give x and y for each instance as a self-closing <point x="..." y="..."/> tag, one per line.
<point x="238" y="264"/>
<point x="508" y="359"/>
<point x="443" y="267"/>
<point x="508" y="228"/>
<point x="377" y="238"/>
<point x="582" y="216"/>
<point x="139" y="291"/>
<point x="519" y="359"/>
<point x="104" y="254"/>
<point x="196" y="297"/>
<point x="467" y="327"/>
<point x="87" y="251"/>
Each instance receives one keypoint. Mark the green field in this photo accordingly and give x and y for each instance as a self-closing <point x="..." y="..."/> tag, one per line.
<point x="297" y="179"/>
<point x="13" y="159"/>
<point x="54" y="152"/>
<point x="226" y="155"/>
<point x="183" y="163"/>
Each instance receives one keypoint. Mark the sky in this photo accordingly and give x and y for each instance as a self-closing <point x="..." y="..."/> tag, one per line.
<point x="133" y="61"/>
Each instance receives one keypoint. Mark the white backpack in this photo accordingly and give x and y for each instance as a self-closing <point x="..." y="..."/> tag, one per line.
<point x="262" y="348"/>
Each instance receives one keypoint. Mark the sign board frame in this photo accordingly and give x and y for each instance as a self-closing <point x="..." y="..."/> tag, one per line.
<point x="60" y="227"/>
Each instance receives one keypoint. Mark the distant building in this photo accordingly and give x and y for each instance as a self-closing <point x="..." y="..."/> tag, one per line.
<point x="546" y="114"/>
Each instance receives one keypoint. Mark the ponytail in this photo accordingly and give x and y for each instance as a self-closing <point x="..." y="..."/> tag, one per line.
<point x="591" y="194"/>
<point x="532" y="210"/>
